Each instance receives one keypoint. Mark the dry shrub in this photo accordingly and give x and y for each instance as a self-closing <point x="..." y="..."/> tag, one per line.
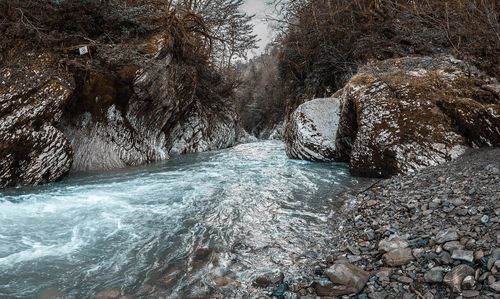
<point x="326" y="40"/>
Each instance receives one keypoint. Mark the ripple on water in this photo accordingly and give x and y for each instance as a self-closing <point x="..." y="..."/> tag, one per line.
<point x="177" y="225"/>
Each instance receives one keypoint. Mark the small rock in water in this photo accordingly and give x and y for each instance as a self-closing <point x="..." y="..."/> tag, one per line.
<point x="269" y="278"/>
<point x="109" y="294"/>
<point x="456" y="276"/>
<point x="398" y="257"/>
<point x="463" y="255"/>
<point x="350" y="278"/>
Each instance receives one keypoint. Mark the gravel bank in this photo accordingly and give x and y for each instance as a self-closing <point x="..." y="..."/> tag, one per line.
<point x="431" y="234"/>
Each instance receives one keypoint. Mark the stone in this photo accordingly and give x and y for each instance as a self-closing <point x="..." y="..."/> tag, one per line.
<point x="485" y="219"/>
<point x="109" y="294"/>
<point x="311" y="131"/>
<point x="268" y="278"/>
<point x="495" y="286"/>
<point x="452" y="245"/>
<point x="398" y="257"/>
<point x="434" y="275"/>
<point x="447" y="236"/>
<point x="350" y="278"/>
<point x="455" y="277"/>
<point x="392" y="243"/>
<point x="470" y="294"/>
<point x="468" y="283"/>
<point x="368" y="235"/>
<point x="224" y="281"/>
<point x="463" y="255"/>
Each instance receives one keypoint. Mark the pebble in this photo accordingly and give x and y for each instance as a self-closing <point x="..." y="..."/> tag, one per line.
<point x="392" y="243"/>
<point x="455" y="277"/>
<point x="470" y="294"/>
<point x="398" y="257"/>
<point x="464" y="255"/>
<point x="469" y="282"/>
<point x="453" y="245"/>
<point x="435" y="275"/>
<point x="446" y="236"/>
<point x="485" y="219"/>
<point x="495" y="286"/>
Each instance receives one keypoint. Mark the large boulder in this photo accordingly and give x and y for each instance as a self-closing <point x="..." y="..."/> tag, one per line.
<point x="400" y="115"/>
<point x="312" y="129"/>
<point x="32" y="98"/>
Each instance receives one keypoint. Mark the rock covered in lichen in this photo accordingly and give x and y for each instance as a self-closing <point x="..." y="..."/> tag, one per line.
<point x="32" y="98"/>
<point x="311" y="130"/>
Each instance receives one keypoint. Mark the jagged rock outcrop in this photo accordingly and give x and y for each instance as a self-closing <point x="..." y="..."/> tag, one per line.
<point x="401" y="115"/>
<point x="145" y="113"/>
<point x="120" y="113"/>
<point x="32" y="98"/>
<point x="204" y="130"/>
<point x="312" y="130"/>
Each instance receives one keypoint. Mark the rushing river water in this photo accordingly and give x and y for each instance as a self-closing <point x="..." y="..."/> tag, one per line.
<point x="169" y="229"/>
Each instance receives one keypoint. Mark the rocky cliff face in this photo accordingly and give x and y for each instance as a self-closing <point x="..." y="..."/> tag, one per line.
<point x="401" y="115"/>
<point x="121" y="113"/>
<point x="32" y="98"/>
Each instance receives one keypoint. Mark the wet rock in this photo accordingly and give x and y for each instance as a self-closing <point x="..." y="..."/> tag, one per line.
<point x="311" y="130"/>
<point x="398" y="257"/>
<point x="435" y="275"/>
<point x="269" y="278"/>
<point x="463" y="255"/>
<point x="455" y="277"/>
<point x="109" y="294"/>
<point x="348" y="278"/>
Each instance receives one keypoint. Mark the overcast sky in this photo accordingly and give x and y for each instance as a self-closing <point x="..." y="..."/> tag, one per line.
<point x="259" y="7"/>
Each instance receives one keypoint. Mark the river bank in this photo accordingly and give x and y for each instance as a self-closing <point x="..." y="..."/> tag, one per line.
<point x="430" y="234"/>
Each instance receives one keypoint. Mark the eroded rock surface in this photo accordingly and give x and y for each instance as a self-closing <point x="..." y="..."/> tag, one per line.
<point x="115" y="113"/>
<point x="32" y="97"/>
<point x="312" y="129"/>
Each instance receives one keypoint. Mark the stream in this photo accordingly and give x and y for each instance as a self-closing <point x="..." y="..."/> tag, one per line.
<point x="174" y="229"/>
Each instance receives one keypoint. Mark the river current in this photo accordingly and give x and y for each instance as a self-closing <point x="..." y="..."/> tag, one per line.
<point x="171" y="229"/>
